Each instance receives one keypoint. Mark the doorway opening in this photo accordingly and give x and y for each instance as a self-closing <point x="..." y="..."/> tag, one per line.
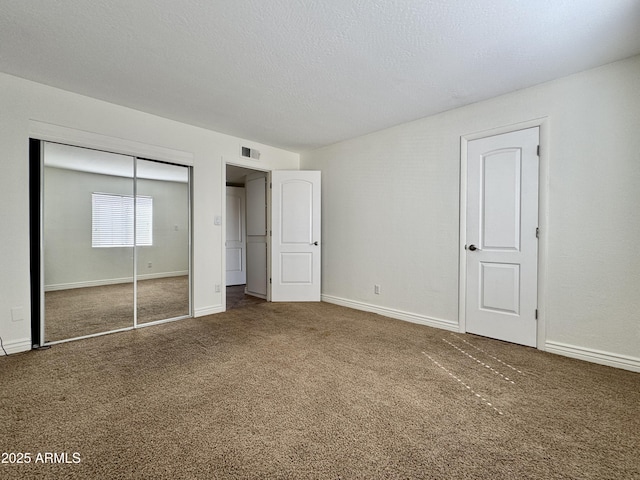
<point x="247" y="236"/>
<point x="280" y="235"/>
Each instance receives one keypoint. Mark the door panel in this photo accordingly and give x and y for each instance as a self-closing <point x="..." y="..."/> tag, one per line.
<point x="502" y="217"/>
<point x="257" y="206"/>
<point x="297" y="268"/>
<point x="296" y="236"/>
<point x="296" y="212"/>
<point x="257" y="269"/>
<point x="500" y="208"/>
<point x="234" y="265"/>
<point x="163" y="254"/>
<point x="500" y="287"/>
<point x="235" y="242"/>
<point x="87" y="242"/>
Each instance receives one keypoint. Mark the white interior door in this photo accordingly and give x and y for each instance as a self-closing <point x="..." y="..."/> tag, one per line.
<point x="295" y="247"/>
<point x="257" y="240"/>
<point x="501" y="236"/>
<point x="235" y="242"/>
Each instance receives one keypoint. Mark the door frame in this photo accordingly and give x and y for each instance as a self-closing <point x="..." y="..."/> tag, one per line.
<point x="45" y="132"/>
<point x="257" y="169"/>
<point x="543" y="219"/>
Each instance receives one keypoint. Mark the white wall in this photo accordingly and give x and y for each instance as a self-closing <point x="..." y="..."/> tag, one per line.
<point x="22" y="102"/>
<point x="391" y="212"/>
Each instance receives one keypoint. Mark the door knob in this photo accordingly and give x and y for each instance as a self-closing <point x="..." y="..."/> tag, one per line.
<point x="473" y="248"/>
<point x="315" y="243"/>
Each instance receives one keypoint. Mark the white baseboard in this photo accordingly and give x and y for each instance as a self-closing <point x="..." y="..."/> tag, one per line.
<point x="595" y="356"/>
<point x="201" y="312"/>
<point x="112" y="281"/>
<point x="392" y="313"/>
<point x="151" y="276"/>
<point x="16" y="346"/>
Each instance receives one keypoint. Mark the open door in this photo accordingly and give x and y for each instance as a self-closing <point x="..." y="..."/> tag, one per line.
<point x="295" y="227"/>
<point x="257" y="235"/>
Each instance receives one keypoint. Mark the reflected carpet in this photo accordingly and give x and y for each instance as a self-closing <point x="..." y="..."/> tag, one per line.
<point x="84" y="311"/>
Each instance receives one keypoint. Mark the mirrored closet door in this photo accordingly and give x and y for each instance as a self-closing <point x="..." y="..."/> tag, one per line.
<point x="115" y="248"/>
<point x="162" y="241"/>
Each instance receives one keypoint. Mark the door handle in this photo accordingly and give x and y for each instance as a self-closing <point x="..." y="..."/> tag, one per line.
<point x="472" y="248"/>
<point x="314" y="243"/>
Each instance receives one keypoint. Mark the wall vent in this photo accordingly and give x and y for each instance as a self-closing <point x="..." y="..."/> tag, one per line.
<point x="250" y="153"/>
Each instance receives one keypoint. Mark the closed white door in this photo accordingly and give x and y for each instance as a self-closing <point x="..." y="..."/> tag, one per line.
<point x="235" y="241"/>
<point x="295" y="247"/>
<point x="501" y="236"/>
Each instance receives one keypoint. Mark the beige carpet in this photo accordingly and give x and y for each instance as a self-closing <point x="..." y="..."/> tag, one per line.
<point x="85" y="311"/>
<point x="236" y="298"/>
<point x="315" y="391"/>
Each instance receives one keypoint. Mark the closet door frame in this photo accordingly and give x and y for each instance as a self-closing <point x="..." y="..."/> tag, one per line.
<point x="40" y="132"/>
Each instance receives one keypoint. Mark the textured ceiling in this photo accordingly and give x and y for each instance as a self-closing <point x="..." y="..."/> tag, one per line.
<point x="299" y="74"/>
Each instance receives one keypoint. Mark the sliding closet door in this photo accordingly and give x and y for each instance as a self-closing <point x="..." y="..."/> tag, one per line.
<point x="115" y="247"/>
<point x="88" y="253"/>
<point x="162" y="241"/>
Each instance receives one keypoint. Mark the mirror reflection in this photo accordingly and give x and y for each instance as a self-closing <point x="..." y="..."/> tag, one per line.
<point x="109" y="262"/>
<point x="162" y="241"/>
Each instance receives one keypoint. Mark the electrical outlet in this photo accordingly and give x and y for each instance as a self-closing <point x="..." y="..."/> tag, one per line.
<point x="149" y="265"/>
<point x="376" y="289"/>
<point x="217" y="288"/>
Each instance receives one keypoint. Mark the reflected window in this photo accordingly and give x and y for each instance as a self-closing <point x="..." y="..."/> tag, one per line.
<point x="112" y="222"/>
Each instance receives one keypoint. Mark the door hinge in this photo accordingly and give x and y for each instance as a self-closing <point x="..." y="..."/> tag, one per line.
<point x="538" y="150"/>
<point x="537" y="232"/>
<point x="271" y="184"/>
<point x="270" y="282"/>
<point x="270" y="233"/>
<point x="536" y="313"/>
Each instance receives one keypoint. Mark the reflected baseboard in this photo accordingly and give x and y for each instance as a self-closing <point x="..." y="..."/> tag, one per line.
<point x="112" y="281"/>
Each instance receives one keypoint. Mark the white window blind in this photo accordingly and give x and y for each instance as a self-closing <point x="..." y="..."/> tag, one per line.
<point x="112" y="220"/>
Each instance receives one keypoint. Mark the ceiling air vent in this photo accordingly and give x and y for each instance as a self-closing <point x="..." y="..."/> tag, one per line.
<point x="250" y="153"/>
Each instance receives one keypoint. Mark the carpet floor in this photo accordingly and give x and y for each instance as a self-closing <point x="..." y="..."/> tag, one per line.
<point x="236" y="298"/>
<point x="314" y="390"/>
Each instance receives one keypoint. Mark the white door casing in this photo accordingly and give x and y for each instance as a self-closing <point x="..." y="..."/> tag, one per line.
<point x="295" y="243"/>
<point x="501" y="236"/>
<point x="235" y="238"/>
